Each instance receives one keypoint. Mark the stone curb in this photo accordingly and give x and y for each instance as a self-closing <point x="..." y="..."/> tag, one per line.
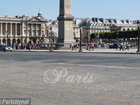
<point x="59" y="51"/>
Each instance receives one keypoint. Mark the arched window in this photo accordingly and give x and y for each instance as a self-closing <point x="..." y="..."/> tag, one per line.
<point x="4" y="40"/>
<point x="18" y="41"/>
<point x="9" y="42"/>
<point x="14" y="41"/>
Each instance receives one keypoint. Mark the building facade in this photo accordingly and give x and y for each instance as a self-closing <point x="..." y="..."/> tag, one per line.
<point x="97" y="25"/>
<point x="103" y="25"/>
<point x="22" y="29"/>
<point x="52" y="31"/>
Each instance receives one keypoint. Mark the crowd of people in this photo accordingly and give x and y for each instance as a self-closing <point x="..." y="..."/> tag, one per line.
<point x="124" y="46"/>
<point x="75" y="45"/>
<point x="19" y="46"/>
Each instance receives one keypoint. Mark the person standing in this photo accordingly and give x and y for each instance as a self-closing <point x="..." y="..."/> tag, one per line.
<point x="14" y="46"/>
<point x="91" y="46"/>
<point x="121" y="46"/>
<point x="127" y="45"/>
<point x="99" y="45"/>
<point x="19" y="46"/>
<point x="118" y="46"/>
<point x="72" y="46"/>
<point x="124" y="46"/>
<point x="29" y="46"/>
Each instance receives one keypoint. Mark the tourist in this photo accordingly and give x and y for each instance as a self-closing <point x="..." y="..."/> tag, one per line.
<point x="30" y="46"/>
<point x="127" y="45"/>
<point x="19" y="46"/>
<point x="99" y="45"/>
<point x="121" y="46"/>
<point x="91" y="46"/>
<point x="72" y="46"/>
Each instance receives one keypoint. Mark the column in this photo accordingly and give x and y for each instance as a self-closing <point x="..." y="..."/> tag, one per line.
<point x="11" y="29"/>
<point x="40" y="30"/>
<point x="5" y="28"/>
<point x="16" y="29"/>
<point x="31" y="29"/>
<point x="22" y="28"/>
<point x="6" y="33"/>
<point x="44" y="29"/>
<point x="36" y="30"/>
<point x="20" y="33"/>
<point x="1" y="29"/>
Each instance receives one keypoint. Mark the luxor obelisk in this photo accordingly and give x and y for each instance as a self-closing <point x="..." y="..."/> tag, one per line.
<point x="65" y="22"/>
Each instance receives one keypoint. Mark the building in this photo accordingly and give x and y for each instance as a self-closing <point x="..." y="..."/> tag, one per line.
<point x="22" y="29"/>
<point x="52" y="26"/>
<point x="103" y="25"/>
<point x="96" y="26"/>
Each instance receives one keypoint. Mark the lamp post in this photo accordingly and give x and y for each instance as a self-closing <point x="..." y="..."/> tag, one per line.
<point x="51" y="33"/>
<point x="26" y="31"/>
<point x="86" y="25"/>
<point x="87" y="38"/>
<point x="117" y="35"/>
<point x="80" y="50"/>
<point x="80" y="45"/>
<point x="138" y="23"/>
<point x="117" y="39"/>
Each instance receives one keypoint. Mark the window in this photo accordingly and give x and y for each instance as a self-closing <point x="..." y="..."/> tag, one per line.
<point x="33" y="32"/>
<point x="38" y="26"/>
<point x="24" y="32"/>
<point x="33" y="25"/>
<point x="29" y="33"/>
<point x="29" y="25"/>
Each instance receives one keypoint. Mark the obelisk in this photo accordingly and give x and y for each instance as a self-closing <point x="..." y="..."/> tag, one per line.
<point x="65" y="22"/>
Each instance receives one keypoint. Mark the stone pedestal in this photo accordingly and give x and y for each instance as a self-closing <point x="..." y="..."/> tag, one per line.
<point x="65" y="19"/>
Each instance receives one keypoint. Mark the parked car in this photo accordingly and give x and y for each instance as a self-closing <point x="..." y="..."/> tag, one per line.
<point x="115" y="46"/>
<point x="5" y="48"/>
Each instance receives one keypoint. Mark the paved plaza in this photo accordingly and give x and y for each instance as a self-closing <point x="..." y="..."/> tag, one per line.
<point x="115" y="78"/>
<point x="131" y="51"/>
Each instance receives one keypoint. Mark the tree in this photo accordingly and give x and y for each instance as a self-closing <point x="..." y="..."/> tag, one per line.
<point x="122" y="34"/>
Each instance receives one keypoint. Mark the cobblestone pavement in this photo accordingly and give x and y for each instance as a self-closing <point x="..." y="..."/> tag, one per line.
<point x="115" y="78"/>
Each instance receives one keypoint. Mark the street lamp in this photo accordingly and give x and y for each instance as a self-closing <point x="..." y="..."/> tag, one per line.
<point x="51" y="33"/>
<point x="117" y="39"/>
<point x="26" y="31"/>
<point x="84" y="24"/>
<point x="87" y="38"/>
<point x="87" y="25"/>
<point x="117" y="35"/>
<point x="138" y="23"/>
<point x="80" y="50"/>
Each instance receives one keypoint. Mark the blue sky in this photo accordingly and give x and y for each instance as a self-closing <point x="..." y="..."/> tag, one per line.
<point x="118" y="9"/>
